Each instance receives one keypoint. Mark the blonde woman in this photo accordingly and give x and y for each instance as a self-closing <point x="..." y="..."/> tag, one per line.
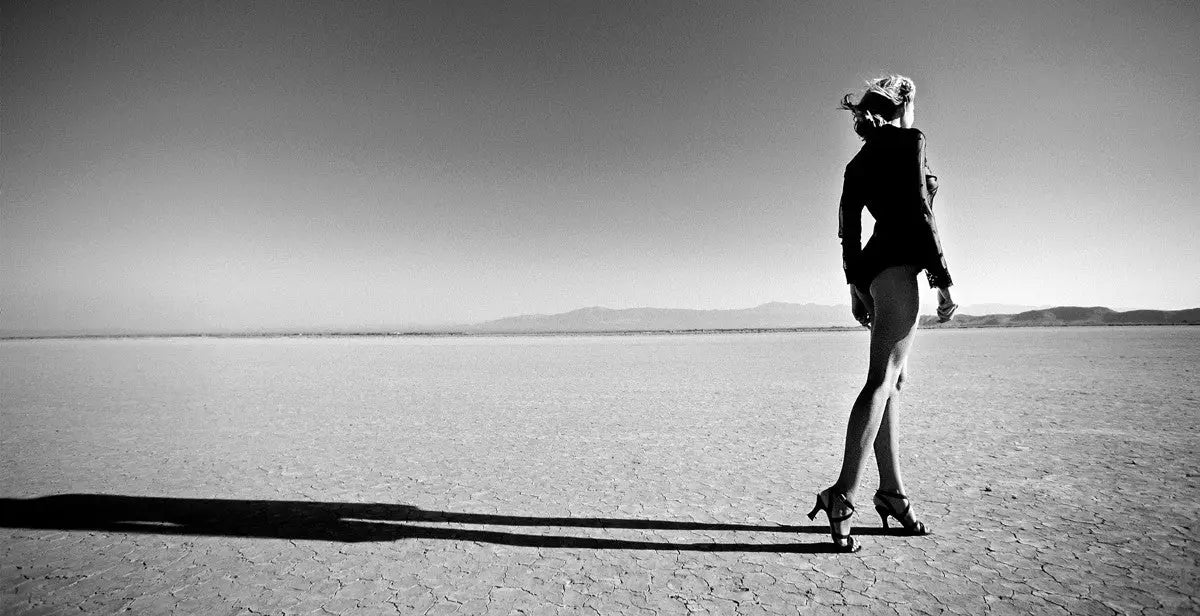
<point x="889" y="177"/>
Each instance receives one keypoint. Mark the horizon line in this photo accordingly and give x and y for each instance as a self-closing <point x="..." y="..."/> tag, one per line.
<point x="471" y="329"/>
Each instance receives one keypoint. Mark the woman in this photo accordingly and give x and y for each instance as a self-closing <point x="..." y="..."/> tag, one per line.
<point x="890" y="178"/>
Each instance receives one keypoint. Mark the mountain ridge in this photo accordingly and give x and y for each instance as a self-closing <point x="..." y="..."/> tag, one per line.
<point x="1071" y="315"/>
<point x="784" y="315"/>
<point x="768" y="316"/>
<point x="599" y="318"/>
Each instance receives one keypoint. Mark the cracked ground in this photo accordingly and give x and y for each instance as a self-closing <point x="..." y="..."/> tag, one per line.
<point x="593" y="475"/>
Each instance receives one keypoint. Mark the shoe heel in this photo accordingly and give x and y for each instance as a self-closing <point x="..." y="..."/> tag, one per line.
<point x="816" y="509"/>
<point x="883" y="516"/>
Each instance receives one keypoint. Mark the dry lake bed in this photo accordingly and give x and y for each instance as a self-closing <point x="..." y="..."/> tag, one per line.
<point x="593" y="475"/>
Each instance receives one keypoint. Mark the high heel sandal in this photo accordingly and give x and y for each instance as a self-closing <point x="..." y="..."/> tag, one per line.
<point x="884" y="508"/>
<point x="825" y="502"/>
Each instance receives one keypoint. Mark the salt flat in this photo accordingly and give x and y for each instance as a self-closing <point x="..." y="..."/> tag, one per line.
<point x="593" y="475"/>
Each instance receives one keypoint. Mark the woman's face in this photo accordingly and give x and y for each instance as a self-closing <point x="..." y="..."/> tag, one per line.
<point x="910" y="114"/>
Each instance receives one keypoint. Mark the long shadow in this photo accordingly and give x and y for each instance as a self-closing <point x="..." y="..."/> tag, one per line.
<point x="359" y="522"/>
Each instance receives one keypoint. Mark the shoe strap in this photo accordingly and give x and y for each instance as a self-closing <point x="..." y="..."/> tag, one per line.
<point x="892" y="510"/>
<point x="846" y="502"/>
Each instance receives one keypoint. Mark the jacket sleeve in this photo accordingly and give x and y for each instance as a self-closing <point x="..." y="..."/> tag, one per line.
<point x="934" y="259"/>
<point x="850" y="227"/>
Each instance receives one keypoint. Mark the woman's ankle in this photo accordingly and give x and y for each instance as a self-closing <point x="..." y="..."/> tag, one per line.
<point x="847" y="492"/>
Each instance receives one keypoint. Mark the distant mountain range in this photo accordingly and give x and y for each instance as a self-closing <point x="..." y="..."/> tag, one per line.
<point x="782" y="315"/>
<point x="775" y="315"/>
<point x="767" y="316"/>
<point x="1071" y="315"/>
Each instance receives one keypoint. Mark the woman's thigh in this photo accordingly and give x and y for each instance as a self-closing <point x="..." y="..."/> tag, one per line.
<point x="897" y="299"/>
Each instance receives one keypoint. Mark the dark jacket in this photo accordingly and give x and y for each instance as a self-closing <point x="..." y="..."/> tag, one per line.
<point x="890" y="177"/>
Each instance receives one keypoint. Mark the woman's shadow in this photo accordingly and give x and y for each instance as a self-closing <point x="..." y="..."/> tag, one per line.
<point x="358" y="522"/>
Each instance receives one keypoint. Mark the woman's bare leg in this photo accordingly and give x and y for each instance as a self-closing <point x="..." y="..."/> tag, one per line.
<point x="887" y="443"/>
<point x="897" y="303"/>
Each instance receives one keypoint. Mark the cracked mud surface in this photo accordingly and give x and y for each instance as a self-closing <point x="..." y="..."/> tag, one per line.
<point x="593" y="475"/>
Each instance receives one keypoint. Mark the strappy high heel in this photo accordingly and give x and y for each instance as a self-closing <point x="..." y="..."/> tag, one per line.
<point x="883" y="506"/>
<point x="825" y="502"/>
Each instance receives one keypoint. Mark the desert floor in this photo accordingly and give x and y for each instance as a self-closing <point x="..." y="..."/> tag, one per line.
<point x="593" y="475"/>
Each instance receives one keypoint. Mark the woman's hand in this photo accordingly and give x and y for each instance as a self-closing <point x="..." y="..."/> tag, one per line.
<point x="946" y="306"/>
<point x="861" y="307"/>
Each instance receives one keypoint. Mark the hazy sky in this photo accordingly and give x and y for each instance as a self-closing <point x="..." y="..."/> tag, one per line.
<point x="244" y="165"/>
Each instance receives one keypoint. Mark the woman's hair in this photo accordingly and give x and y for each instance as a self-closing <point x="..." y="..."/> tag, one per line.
<point x="881" y="103"/>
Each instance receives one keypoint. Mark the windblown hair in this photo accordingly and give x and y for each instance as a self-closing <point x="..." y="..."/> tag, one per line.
<point x="881" y="103"/>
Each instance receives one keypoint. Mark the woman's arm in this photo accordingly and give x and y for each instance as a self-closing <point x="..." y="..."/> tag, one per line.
<point x="935" y="261"/>
<point x="862" y="306"/>
<point x="850" y="226"/>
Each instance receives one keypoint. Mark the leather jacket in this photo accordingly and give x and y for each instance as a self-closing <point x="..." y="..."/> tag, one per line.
<point x="891" y="178"/>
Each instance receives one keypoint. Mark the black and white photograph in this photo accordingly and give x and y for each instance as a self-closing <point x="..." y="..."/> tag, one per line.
<point x="596" y="308"/>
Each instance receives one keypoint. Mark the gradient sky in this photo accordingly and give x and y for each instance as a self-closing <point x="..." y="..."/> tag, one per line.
<point x="232" y="166"/>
